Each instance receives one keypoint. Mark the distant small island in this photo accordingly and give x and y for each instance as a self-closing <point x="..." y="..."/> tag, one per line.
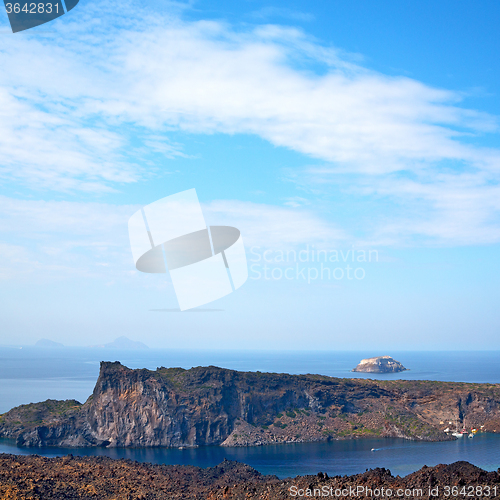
<point x="211" y="406"/>
<point x="123" y="343"/>
<point x="379" y="364"/>
<point x="105" y="478"/>
<point x="48" y="343"/>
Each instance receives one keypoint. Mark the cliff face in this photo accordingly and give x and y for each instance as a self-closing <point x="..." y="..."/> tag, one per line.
<point x="215" y="406"/>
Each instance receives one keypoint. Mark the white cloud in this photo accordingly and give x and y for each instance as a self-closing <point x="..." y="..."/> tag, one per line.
<point x="59" y="239"/>
<point x="70" y="100"/>
<point x="50" y="150"/>
<point x="30" y="218"/>
<point x="206" y="77"/>
<point x="458" y="209"/>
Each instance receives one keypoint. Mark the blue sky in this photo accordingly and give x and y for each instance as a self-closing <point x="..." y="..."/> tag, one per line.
<point x="335" y="125"/>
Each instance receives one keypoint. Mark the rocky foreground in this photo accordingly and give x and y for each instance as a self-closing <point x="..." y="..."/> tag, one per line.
<point x="37" y="478"/>
<point x="214" y="406"/>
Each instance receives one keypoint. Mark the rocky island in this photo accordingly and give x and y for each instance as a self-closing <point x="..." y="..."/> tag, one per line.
<point x="82" y="478"/>
<point x="215" y="406"/>
<point x="379" y="364"/>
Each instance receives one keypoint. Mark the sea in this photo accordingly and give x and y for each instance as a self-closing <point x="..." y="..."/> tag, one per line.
<point x="30" y="374"/>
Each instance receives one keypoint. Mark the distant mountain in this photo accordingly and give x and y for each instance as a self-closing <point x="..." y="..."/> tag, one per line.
<point x="48" y="343"/>
<point x="379" y="364"/>
<point x="123" y="343"/>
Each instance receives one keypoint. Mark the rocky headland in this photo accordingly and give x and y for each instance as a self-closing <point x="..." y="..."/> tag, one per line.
<point x="215" y="406"/>
<point x="82" y="478"/>
<point x="379" y="364"/>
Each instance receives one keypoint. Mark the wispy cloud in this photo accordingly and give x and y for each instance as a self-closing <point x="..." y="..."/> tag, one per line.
<point x="113" y="83"/>
<point x="56" y="240"/>
<point x="43" y="149"/>
<point x="450" y="209"/>
<point x="274" y="227"/>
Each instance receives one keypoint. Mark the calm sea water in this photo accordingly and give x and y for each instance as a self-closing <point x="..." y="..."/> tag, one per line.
<point x="31" y="375"/>
<point x="401" y="457"/>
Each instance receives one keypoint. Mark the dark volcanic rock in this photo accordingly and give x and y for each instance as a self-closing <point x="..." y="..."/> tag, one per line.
<point x="215" y="406"/>
<point x="82" y="478"/>
<point x="38" y="478"/>
<point x="379" y="364"/>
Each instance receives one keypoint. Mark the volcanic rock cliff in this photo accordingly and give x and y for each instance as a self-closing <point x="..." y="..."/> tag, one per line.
<point x="216" y="406"/>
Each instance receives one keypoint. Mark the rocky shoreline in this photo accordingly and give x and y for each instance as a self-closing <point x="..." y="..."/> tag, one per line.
<point x="215" y="406"/>
<point x="82" y="478"/>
